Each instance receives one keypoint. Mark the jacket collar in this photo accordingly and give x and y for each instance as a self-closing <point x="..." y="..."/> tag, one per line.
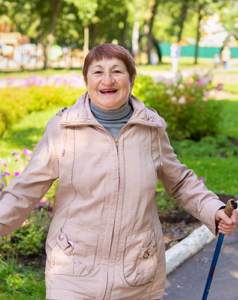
<point x="80" y="114"/>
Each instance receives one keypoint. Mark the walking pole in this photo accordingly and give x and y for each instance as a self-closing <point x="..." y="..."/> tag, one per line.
<point x="231" y="205"/>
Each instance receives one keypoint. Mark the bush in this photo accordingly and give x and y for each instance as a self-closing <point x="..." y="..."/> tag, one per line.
<point x="165" y="203"/>
<point x="181" y="104"/>
<point x="17" y="102"/>
<point x="21" y="282"/>
<point x="31" y="236"/>
<point x="219" y="145"/>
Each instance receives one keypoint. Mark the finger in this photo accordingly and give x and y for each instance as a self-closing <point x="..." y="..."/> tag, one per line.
<point x="224" y="223"/>
<point x="226" y="229"/>
<point x="223" y="231"/>
<point x="234" y="216"/>
<point x="226" y="219"/>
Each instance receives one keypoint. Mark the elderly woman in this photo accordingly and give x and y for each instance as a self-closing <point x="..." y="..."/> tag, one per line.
<point x="108" y="151"/>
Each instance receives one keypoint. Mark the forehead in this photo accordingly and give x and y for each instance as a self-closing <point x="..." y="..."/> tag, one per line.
<point x="107" y="63"/>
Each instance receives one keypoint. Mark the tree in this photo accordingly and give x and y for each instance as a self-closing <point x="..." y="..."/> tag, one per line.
<point x="55" y="8"/>
<point x="183" y="16"/>
<point x="151" y="24"/>
<point x="204" y="8"/>
<point x="136" y="30"/>
<point x="200" y="7"/>
<point x="86" y="12"/>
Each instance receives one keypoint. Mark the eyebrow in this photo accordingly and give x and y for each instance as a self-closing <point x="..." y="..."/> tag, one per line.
<point x="100" y="66"/>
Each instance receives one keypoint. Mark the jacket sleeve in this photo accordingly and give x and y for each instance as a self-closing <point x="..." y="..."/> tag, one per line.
<point x="19" y="198"/>
<point x="183" y="185"/>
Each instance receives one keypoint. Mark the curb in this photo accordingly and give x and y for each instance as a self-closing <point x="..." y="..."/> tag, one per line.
<point x="187" y="247"/>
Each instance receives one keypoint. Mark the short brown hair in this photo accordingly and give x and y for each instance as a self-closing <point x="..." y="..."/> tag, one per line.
<point x="110" y="51"/>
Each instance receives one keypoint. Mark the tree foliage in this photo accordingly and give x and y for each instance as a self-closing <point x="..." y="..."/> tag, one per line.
<point x="63" y="21"/>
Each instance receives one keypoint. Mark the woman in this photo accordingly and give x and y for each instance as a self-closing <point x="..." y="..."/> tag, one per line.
<point x="108" y="151"/>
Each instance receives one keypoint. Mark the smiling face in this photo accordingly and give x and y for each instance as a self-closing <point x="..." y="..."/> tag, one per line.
<point x="108" y="83"/>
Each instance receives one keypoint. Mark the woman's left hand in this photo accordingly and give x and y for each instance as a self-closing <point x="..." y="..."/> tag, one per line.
<point x="226" y="225"/>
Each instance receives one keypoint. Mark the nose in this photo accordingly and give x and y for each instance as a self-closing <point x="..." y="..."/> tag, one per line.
<point x="107" y="78"/>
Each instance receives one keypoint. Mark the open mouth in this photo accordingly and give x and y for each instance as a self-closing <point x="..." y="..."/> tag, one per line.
<point x="108" y="91"/>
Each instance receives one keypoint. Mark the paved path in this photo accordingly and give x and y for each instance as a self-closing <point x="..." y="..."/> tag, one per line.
<point x="188" y="281"/>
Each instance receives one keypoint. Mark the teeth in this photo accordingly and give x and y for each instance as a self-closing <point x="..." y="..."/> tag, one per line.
<point x="108" y="91"/>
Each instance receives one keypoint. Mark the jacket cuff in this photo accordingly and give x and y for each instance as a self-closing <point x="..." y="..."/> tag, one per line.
<point x="208" y="214"/>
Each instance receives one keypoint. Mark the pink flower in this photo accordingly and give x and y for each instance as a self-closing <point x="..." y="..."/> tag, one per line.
<point x="188" y="83"/>
<point x="180" y="86"/>
<point x="202" y="179"/>
<point x="16" y="173"/>
<point x="219" y="87"/>
<point x="50" y="214"/>
<point x="27" y="152"/>
<point x="5" y="164"/>
<point x="199" y="82"/>
<point x="7" y="174"/>
<point x="206" y="94"/>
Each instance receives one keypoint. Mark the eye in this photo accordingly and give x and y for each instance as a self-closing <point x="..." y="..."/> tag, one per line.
<point x="117" y="71"/>
<point x="97" y="72"/>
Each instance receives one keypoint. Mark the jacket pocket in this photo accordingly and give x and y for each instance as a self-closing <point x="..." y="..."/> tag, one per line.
<point x="74" y="254"/>
<point x="140" y="259"/>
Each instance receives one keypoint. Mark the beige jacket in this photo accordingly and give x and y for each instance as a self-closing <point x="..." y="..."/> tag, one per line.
<point x="105" y="240"/>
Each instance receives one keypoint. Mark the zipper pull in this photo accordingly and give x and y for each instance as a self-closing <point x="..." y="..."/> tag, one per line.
<point x="116" y="142"/>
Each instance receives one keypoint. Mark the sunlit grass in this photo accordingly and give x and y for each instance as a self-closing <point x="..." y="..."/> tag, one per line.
<point x="28" y="73"/>
<point x="19" y="282"/>
<point x="25" y="132"/>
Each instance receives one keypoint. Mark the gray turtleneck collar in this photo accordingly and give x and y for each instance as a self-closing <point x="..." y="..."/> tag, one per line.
<point x="113" y="120"/>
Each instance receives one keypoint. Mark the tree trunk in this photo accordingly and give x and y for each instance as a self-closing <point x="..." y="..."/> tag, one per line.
<point x="198" y="33"/>
<point x="123" y="32"/>
<point x="183" y="18"/>
<point x="149" y="47"/>
<point x="94" y="33"/>
<point x="157" y="47"/>
<point x="55" y="8"/>
<point x="86" y="40"/>
<point x="136" y="32"/>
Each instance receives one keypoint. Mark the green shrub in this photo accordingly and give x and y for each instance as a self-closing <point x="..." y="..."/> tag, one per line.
<point x="181" y="104"/>
<point x="219" y="145"/>
<point x="21" y="282"/>
<point x="30" y="237"/>
<point x="17" y="102"/>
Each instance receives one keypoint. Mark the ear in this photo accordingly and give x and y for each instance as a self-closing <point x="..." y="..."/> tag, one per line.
<point x="132" y="83"/>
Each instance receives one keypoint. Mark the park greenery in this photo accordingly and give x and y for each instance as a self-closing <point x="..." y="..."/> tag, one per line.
<point x="202" y="131"/>
<point x="210" y="153"/>
<point x="138" y="25"/>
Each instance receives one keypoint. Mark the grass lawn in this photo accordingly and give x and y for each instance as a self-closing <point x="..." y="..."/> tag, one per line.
<point x="21" y="282"/>
<point x="26" y="132"/>
<point x="233" y="88"/>
<point x="184" y="63"/>
<point x="28" y="73"/>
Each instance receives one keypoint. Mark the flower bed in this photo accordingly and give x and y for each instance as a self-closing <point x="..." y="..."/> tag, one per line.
<point x="183" y="103"/>
<point x="70" y="80"/>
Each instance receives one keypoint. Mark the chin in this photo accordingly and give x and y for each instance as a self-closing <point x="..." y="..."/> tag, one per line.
<point x="111" y="104"/>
